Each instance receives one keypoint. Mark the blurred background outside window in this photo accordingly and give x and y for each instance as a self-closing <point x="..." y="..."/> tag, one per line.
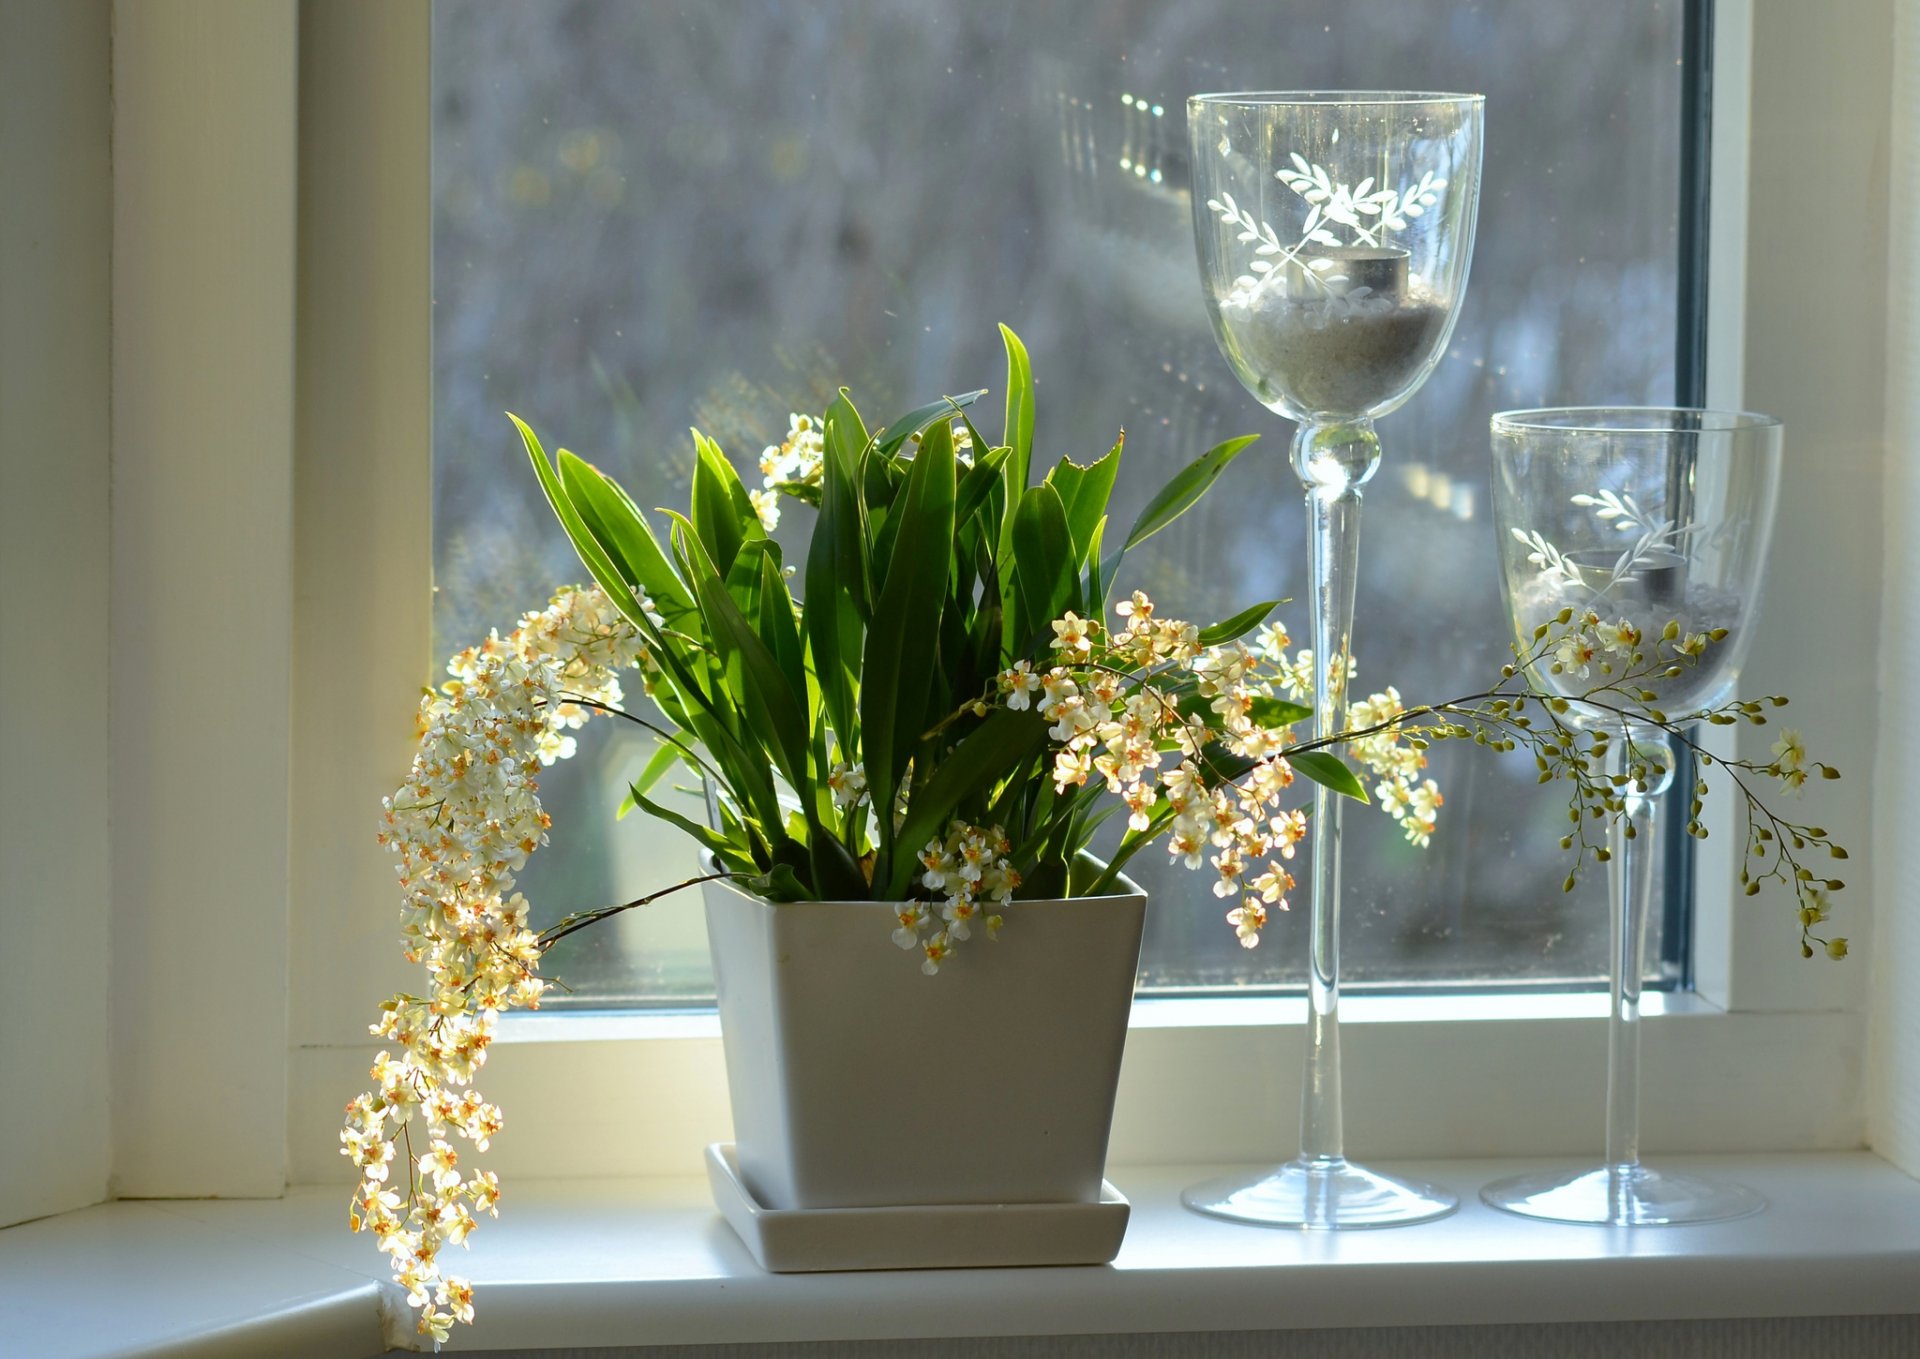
<point x="650" y="216"/>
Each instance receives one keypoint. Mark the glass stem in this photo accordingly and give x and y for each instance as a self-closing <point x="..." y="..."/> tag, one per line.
<point x="1334" y="462"/>
<point x="1630" y="890"/>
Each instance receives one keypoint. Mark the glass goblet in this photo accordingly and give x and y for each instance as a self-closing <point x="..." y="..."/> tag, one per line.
<point x="1647" y="516"/>
<point x="1334" y="231"/>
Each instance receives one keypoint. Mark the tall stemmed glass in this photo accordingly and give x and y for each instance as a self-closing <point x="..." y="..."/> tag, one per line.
<point x="1647" y="515"/>
<point x="1334" y="231"/>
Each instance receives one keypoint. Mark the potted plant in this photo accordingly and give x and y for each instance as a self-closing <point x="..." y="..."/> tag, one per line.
<point x="888" y="751"/>
<point x="905" y="769"/>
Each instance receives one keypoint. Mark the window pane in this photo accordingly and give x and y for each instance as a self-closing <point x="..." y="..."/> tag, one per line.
<point x="655" y="215"/>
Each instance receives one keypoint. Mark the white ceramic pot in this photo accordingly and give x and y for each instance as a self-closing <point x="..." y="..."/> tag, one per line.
<point x="857" y="1081"/>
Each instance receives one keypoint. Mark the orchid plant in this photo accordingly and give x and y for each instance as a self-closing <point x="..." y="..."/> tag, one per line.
<point x="942" y="722"/>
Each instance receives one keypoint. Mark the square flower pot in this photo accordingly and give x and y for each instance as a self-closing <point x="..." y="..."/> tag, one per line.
<point x="857" y="1081"/>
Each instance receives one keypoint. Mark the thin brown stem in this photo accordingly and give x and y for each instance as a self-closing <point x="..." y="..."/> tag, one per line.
<point x="685" y="750"/>
<point x="579" y="920"/>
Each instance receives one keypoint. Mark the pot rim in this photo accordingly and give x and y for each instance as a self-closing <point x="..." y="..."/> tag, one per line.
<point x="712" y="865"/>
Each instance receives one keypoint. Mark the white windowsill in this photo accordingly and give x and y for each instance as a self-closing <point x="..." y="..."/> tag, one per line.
<point x="587" y="1263"/>
<point x="556" y="1025"/>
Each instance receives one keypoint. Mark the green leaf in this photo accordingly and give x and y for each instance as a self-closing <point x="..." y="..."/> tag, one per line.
<point x="998" y="746"/>
<point x="845" y="457"/>
<point x="722" y="514"/>
<point x="745" y="579"/>
<point x="1179" y="494"/>
<point x="1277" y="712"/>
<point x="1095" y="596"/>
<point x="1019" y="430"/>
<point x="880" y="480"/>
<point x="1239" y="625"/>
<point x="889" y="440"/>
<point x="1329" y="771"/>
<point x="988" y="621"/>
<point x="836" y="874"/>
<point x="778" y="627"/>
<point x="595" y="557"/>
<point x="623" y="534"/>
<point x="838" y="587"/>
<point x="780" y="883"/>
<point x="698" y="658"/>
<point x="729" y="854"/>
<point x="976" y="487"/>
<point x="665" y="758"/>
<point x="1083" y="494"/>
<point x="1130" y="845"/>
<point x="716" y="713"/>
<point x="897" y="675"/>
<point x="1041" y="566"/>
<point x="771" y="708"/>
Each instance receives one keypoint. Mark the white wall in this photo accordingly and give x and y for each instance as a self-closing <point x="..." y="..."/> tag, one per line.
<point x="55" y="234"/>
<point x="1894" y="1101"/>
<point x="203" y="283"/>
<point x="1816" y="309"/>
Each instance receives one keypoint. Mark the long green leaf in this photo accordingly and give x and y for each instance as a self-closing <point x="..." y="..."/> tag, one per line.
<point x="767" y="701"/>
<point x="663" y="759"/>
<point x="838" y="588"/>
<point x="722" y="514"/>
<point x="1019" y="430"/>
<point x="623" y="534"/>
<point x="778" y="629"/>
<point x="1042" y="567"/>
<point x="845" y="455"/>
<point x="726" y="851"/>
<point x="888" y="441"/>
<point x="1277" y="712"/>
<point x="1329" y="771"/>
<point x="1131" y="844"/>
<point x="1239" y="625"/>
<point x="1179" y="494"/>
<point x="976" y="487"/>
<point x="1261" y="708"/>
<point x="595" y="557"/>
<point x="897" y="675"/>
<point x="744" y="580"/>
<point x="836" y="874"/>
<point x="1084" y="492"/>
<point x="714" y="714"/>
<point x="779" y="883"/>
<point x="1097" y="582"/>
<point x="1002" y="743"/>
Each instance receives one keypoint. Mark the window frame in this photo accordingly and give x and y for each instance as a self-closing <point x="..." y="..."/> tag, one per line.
<point x="641" y="1094"/>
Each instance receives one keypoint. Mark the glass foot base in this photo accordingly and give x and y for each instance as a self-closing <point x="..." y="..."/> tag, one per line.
<point x="1622" y="1196"/>
<point x="1322" y="1194"/>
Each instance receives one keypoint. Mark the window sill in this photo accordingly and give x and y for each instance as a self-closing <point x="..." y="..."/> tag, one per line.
<point x="561" y="1025"/>
<point x="633" y="1262"/>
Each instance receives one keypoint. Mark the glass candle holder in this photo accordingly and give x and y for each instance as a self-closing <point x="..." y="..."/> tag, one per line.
<point x="1334" y="231"/>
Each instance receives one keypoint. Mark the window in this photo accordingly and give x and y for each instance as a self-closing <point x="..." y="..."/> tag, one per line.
<point x="650" y="216"/>
<point x="1800" y="114"/>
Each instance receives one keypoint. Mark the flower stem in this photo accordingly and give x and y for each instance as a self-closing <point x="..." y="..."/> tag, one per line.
<point x="579" y="920"/>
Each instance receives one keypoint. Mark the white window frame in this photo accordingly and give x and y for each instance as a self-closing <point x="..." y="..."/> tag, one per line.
<point x="1765" y="1055"/>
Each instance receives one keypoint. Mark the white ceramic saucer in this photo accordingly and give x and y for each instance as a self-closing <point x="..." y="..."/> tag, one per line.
<point x="932" y="1236"/>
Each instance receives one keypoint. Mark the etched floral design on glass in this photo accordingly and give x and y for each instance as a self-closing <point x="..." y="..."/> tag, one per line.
<point x="1648" y="530"/>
